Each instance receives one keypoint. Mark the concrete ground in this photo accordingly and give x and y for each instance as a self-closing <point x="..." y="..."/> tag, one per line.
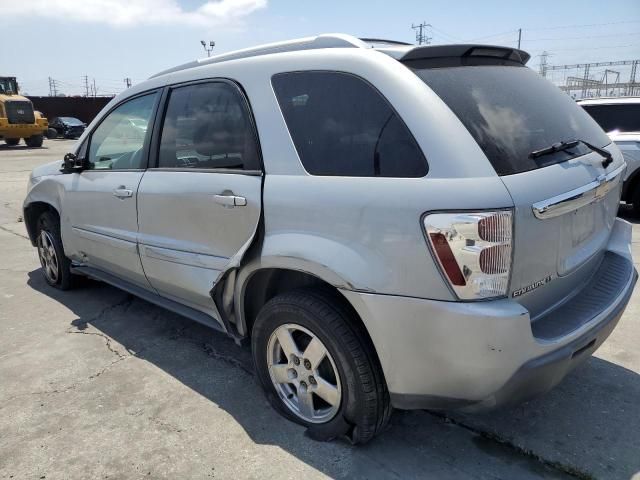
<point x="95" y="383"/>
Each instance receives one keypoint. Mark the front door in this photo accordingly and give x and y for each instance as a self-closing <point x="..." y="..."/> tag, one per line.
<point x="101" y="200"/>
<point x="199" y="207"/>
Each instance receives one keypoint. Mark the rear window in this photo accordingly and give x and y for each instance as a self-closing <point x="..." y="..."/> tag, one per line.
<point x="512" y="111"/>
<point x="624" y="118"/>
<point x="342" y="126"/>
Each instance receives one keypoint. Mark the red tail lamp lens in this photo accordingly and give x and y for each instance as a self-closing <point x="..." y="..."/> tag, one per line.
<point x="447" y="260"/>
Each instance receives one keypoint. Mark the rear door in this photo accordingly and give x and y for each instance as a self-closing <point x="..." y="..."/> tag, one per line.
<point x="199" y="206"/>
<point x="565" y="201"/>
<point x="100" y="202"/>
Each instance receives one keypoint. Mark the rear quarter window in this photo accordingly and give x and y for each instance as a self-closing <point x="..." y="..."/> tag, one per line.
<point x="342" y="126"/>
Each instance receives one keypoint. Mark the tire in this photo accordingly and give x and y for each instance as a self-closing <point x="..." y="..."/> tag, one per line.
<point x="363" y="409"/>
<point x="57" y="272"/>
<point x="635" y="200"/>
<point x="34" y="140"/>
<point x="52" y="133"/>
<point x="12" y="141"/>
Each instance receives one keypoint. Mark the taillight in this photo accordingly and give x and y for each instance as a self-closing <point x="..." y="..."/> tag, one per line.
<point x="473" y="251"/>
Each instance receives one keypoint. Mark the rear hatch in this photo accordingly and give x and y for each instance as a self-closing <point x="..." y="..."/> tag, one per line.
<point x="565" y="201"/>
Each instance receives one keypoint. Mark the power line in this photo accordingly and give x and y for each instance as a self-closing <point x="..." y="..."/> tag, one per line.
<point x="585" y="25"/>
<point x="510" y="32"/>
<point x="583" y="37"/>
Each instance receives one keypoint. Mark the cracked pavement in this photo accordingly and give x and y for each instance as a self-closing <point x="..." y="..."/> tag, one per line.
<point x="95" y="383"/>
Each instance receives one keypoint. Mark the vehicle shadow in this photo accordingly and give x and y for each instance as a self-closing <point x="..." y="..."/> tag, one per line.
<point x="20" y="147"/>
<point x="590" y="423"/>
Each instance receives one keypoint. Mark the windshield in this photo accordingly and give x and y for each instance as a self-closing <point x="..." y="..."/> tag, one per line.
<point x="8" y="85"/>
<point x="71" y="121"/>
<point x="624" y="118"/>
<point x="511" y="112"/>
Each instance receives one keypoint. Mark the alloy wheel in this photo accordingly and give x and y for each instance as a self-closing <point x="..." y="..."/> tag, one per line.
<point x="48" y="256"/>
<point x="303" y="373"/>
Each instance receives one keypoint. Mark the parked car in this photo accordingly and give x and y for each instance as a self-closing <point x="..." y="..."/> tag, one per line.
<point x="67" y="127"/>
<point x="400" y="226"/>
<point x="620" y="118"/>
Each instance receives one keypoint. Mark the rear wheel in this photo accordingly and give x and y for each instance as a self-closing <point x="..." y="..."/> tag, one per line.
<point x="318" y="367"/>
<point x="34" y="140"/>
<point x="12" y="141"/>
<point x="55" y="265"/>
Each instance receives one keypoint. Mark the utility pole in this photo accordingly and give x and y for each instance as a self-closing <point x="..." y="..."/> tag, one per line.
<point x="208" y="49"/>
<point x="95" y="89"/>
<point x="85" y="78"/>
<point x="422" y="36"/>
<point x="519" y="37"/>
<point x="127" y="82"/>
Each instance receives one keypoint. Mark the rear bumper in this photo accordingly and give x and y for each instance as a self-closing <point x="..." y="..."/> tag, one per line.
<point x="480" y="355"/>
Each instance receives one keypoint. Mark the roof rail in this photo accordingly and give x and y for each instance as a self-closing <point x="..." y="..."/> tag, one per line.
<point x="385" y="41"/>
<point x="328" y="40"/>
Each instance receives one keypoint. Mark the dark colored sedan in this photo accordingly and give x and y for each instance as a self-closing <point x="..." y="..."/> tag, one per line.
<point x="68" y="127"/>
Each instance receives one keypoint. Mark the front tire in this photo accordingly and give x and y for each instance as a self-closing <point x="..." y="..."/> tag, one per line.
<point x="56" y="267"/>
<point x="52" y="133"/>
<point x="318" y="367"/>
<point x="34" y="140"/>
<point x="12" y="142"/>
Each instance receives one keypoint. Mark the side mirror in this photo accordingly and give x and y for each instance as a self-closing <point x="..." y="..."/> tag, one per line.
<point x="73" y="164"/>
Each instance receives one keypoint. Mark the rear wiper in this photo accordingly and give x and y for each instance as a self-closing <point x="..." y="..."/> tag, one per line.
<point x="562" y="146"/>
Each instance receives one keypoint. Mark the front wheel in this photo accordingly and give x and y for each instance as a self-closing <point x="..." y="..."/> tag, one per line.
<point x="56" y="267"/>
<point x="318" y="367"/>
<point x="12" y="142"/>
<point x="34" y="140"/>
<point x="52" y="133"/>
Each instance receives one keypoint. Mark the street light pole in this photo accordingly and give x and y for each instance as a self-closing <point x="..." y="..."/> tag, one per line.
<point x="209" y="48"/>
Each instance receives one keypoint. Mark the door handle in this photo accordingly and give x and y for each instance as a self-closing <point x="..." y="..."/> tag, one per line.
<point x="230" y="200"/>
<point x="122" y="192"/>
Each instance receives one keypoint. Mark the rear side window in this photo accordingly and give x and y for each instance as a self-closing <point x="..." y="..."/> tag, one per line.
<point x="512" y="111"/>
<point x="342" y="126"/>
<point x="208" y="126"/>
<point x="624" y="118"/>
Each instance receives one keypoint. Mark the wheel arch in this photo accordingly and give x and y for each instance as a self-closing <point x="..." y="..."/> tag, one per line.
<point x="630" y="186"/>
<point x="256" y="287"/>
<point x="32" y="212"/>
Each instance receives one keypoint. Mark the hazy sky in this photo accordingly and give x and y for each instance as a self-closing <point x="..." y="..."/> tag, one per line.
<point x="112" y="39"/>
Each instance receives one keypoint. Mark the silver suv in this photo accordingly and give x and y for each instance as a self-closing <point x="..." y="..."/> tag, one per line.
<point x="620" y="118"/>
<point x="389" y="225"/>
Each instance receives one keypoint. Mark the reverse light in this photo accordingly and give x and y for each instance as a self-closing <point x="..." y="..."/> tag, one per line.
<point x="473" y="250"/>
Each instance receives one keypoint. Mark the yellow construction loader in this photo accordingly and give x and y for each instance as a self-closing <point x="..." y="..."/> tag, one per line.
<point x="18" y="119"/>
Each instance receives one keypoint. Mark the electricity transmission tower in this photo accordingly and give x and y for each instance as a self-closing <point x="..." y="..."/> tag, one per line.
<point x="127" y="82"/>
<point x="53" y="87"/>
<point x="422" y="37"/>
<point x="85" y="79"/>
